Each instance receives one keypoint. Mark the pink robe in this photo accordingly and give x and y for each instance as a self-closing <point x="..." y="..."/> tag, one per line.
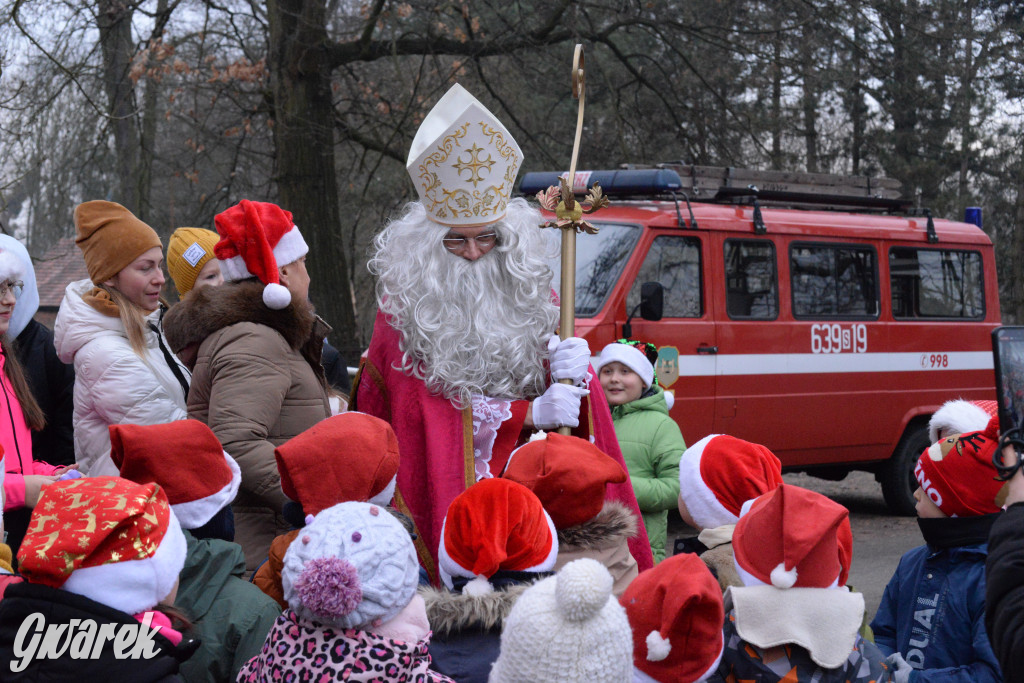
<point x="435" y="440"/>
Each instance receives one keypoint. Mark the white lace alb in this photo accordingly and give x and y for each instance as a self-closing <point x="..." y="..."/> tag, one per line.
<point x="488" y="414"/>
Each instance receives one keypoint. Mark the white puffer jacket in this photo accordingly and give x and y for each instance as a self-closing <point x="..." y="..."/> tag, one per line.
<point x="113" y="385"/>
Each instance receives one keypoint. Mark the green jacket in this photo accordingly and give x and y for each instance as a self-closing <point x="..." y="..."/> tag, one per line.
<point x="231" y="617"/>
<point x="651" y="445"/>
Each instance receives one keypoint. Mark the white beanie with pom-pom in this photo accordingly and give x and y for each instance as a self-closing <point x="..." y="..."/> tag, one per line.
<point x="569" y="628"/>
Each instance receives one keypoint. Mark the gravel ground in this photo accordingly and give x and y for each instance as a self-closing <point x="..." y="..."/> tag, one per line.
<point x="879" y="538"/>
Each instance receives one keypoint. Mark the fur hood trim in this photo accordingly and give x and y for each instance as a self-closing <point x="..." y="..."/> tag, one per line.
<point x="206" y="310"/>
<point x="450" y="613"/>
<point x="612" y="526"/>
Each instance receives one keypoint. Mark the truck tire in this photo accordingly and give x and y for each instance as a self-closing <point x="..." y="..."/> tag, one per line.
<point x="897" y="475"/>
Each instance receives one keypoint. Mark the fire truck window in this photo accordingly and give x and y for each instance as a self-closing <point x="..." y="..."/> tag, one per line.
<point x="833" y="281"/>
<point x="600" y="259"/>
<point x="936" y="283"/>
<point x="751" y="280"/>
<point x="675" y="263"/>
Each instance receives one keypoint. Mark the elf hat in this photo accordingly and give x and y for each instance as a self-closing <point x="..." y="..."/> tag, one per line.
<point x="185" y="459"/>
<point x="567" y="627"/>
<point x="463" y="162"/>
<point x="347" y="457"/>
<point x="109" y="539"/>
<point x="567" y="473"/>
<point x="188" y="251"/>
<point x="255" y="238"/>
<point x="789" y="538"/>
<point x="675" y="611"/>
<point x="495" y="524"/>
<point x="960" y="416"/>
<point x="353" y="566"/>
<point x="630" y="356"/>
<point x="958" y="475"/>
<point x="719" y="473"/>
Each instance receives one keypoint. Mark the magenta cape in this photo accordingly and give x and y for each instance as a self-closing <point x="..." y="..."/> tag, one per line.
<point x="435" y="440"/>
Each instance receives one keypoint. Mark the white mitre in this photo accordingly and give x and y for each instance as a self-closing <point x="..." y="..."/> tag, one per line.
<point x="463" y="162"/>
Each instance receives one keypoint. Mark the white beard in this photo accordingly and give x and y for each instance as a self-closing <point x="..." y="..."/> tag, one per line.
<point x="469" y="327"/>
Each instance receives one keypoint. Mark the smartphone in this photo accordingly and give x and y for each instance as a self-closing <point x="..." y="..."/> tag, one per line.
<point x="1008" y="355"/>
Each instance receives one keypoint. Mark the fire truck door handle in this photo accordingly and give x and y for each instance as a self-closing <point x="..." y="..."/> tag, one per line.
<point x="709" y="350"/>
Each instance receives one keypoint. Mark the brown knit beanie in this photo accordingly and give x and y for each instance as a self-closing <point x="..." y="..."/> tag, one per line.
<point x="188" y="250"/>
<point x="110" y="238"/>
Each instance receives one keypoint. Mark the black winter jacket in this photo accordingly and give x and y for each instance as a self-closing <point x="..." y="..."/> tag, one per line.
<point x="60" y="607"/>
<point x="53" y="385"/>
<point x="1004" y="591"/>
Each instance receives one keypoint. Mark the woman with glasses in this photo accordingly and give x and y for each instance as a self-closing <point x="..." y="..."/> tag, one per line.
<point x="20" y="415"/>
<point x="110" y="327"/>
<point x="52" y="381"/>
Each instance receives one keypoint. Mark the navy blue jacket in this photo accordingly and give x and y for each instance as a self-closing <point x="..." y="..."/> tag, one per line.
<point x="933" y="613"/>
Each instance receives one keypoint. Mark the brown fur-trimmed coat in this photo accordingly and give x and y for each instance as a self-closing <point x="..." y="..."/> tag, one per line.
<point x="605" y="539"/>
<point x="257" y="382"/>
<point x="467" y="629"/>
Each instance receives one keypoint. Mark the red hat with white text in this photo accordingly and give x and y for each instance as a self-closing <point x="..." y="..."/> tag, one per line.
<point x="960" y="416"/>
<point x="109" y="539"/>
<point x="676" y="613"/>
<point x="957" y="473"/>
<point x="719" y="473"/>
<point x="567" y="473"/>
<point x="789" y="538"/>
<point x="494" y="525"/>
<point x="348" y="457"/>
<point x="186" y="459"/>
<point x="256" y="238"/>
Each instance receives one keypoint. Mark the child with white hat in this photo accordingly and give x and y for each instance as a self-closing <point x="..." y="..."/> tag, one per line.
<point x="651" y="441"/>
<point x="353" y="613"/>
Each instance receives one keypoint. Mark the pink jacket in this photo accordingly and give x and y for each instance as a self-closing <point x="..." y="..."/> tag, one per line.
<point x="16" y="440"/>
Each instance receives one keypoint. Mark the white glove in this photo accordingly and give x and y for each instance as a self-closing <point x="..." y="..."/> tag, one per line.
<point x="900" y="669"/>
<point x="559" y="406"/>
<point x="570" y="359"/>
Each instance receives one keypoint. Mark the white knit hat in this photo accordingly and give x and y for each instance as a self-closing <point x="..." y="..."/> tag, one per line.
<point x="566" y="629"/>
<point x="630" y="356"/>
<point x="353" y="566"/>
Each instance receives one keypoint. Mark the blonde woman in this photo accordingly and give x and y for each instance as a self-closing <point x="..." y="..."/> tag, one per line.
<point x="109" y="326"/>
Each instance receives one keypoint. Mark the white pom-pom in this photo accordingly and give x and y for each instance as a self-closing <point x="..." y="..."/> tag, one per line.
<point x="657" y="647"/>
<point x="583" y="588"/>
<point x="670" y="399"/>
<point x="276" y="296"/>
<point x="478" y="586"/>
<point x="782" y="577"/>
<point x="538" y="436"/>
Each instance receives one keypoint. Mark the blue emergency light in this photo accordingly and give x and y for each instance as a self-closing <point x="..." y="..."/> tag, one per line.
<point x="972" y="214"/>
<point x="648" y="181"/>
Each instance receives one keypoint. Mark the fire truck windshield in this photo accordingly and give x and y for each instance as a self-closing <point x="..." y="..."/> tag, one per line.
<point x="600" y="259"/>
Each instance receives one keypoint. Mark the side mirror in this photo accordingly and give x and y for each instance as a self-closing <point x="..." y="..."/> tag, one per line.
<point x="652" y="301"/>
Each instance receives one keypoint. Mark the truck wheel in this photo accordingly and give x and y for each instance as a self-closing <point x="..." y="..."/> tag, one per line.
<point x="897" y="475"/>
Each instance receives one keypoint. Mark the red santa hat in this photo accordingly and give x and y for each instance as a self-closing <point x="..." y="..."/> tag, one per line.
<point x="109" y="539"/>
<point x="495" y="524"/>
<point x="789" y="538"/>
<point x="959" y="417"/>
<point x="185" y="458"/>
<point x="255" y="238"/>
<point x="567" y="473"/>
<point x="675" y="611"/>
<point x="348" y="457"/>
<point x="719" y="473"/>
<point x="957" y="473"/>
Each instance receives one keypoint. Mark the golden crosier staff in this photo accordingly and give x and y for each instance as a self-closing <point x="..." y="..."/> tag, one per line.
<point x="569" y="214"/>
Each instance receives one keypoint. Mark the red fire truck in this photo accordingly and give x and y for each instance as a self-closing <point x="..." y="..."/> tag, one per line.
<point x="829" y="334"/>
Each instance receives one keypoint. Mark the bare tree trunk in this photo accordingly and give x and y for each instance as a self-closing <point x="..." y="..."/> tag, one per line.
<point x="114" y="18"/>
<point x="776" y="122"/>
<point x="304" y="137"/>
<point x="810" y="98"/>
<point x="1011" y="273"/>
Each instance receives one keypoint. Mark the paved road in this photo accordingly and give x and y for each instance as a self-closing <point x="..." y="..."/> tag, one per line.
<point x="879" y="539"/>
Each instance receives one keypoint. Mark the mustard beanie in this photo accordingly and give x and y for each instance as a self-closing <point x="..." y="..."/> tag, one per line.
<point x="110" y="237"/>
<point x="188" y="251"/>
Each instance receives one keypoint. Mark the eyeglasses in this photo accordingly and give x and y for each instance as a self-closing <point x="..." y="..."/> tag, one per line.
<point x="15" y="288"/>
<point x="484" y="241"/>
